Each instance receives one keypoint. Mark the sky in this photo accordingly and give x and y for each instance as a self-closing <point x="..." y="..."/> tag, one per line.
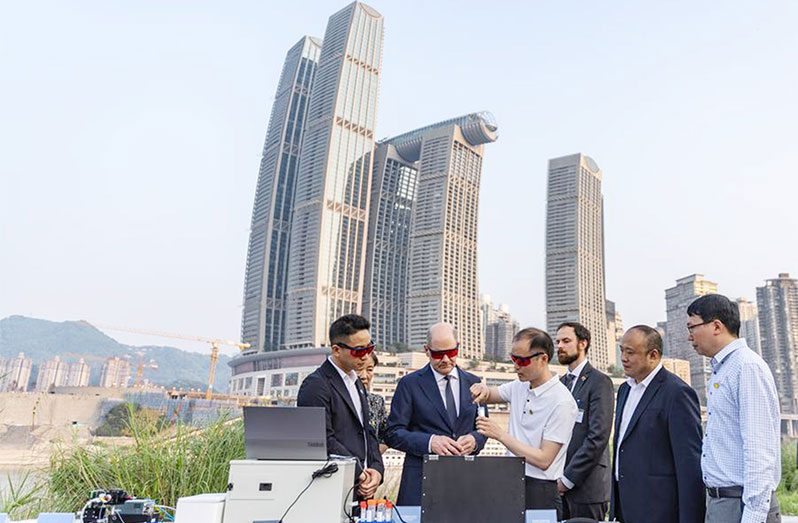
<point x="131" y="135"/>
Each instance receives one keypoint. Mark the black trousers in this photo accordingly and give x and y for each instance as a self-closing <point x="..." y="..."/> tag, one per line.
<point x="542" y="494"/>
<point x="570" y="509"/>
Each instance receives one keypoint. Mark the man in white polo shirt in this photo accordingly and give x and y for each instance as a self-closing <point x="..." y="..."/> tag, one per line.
<point x="542" y="417"/>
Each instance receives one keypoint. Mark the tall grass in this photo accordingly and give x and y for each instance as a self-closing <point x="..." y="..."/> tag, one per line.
<point x="161" y="465"/>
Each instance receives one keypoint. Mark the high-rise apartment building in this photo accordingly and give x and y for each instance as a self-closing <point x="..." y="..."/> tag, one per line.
<point x="614" y="333"/>
<point x="115" y="372"/>
<point x="77" y="374"/>
<point x="749" y="324"/>
<point x="263" y="318"/>
<point x="777" y="301"/>
<point x="52" y="373"/>
<point x="443" y="283"/>
<point x="677" y="299"/>
<point x="393" y="196"/>
<point x="575" y="251"/>
<point x="499" y="334"/>
<point x="15" y="373"/>
<point x="326" y="263"/>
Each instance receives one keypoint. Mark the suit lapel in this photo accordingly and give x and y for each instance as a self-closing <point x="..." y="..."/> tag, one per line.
<point x="648" y="395"/>
<point x="583" y="376"/>
<point x="433" y="393"/>
<point x="623" y="393"/>
<point x="338" y="385"/>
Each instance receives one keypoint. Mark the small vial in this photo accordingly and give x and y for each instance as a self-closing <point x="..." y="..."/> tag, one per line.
<point x="363" y="508"/>
<point x="388" y="511"/>
<point x="379" y="514"/>
<point x="371" y="511"/>
<point x="482" y="410"/>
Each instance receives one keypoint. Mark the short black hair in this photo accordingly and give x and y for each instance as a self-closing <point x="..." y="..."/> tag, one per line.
<point x="346" y="326"/>
<point x="582" y="332"/>
<point x="652" y="336"/>
<point x="537" y="338"/>
<point x="711" y="307"/>
<point x="374" y="358"/>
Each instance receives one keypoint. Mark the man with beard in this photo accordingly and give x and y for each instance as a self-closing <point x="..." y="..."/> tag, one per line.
<point x="585" y="483"/>
<point x="542" y="415"/>
<point x="336" y="387"/>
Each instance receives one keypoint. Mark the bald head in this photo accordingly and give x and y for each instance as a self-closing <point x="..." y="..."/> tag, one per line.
<point x="442" y="336"/>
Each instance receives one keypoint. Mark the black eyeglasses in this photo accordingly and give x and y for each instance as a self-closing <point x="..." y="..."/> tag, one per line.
<point x="691" y="327"/>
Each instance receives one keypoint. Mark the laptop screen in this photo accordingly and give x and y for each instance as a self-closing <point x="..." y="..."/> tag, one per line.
<point x="285" y="433"/>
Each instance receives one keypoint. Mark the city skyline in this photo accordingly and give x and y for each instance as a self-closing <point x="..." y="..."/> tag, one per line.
<point x="150" y="182"/>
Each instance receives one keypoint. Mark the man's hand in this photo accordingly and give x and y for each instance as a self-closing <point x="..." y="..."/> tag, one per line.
<point x="467" y="443"/>
<point x="489" y="428"/>
<point x="561" y="488"/>
<point x="480" y="393"/>
<point x="369" y="481"/>
<point x="445" y="446"/>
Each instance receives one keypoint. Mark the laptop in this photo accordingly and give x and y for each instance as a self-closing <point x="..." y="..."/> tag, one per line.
<point x="285" y="433"/>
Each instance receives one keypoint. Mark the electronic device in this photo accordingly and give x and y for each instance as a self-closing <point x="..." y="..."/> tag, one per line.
<point x="473" y="488"/>
<point x="297" y="491"/>
<point x="285" y="433"/>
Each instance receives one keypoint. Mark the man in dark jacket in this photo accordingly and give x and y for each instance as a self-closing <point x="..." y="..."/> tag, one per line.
<point x="336" y="387"/>
<point x="432" y="412"/>
<point x="585" y="484"/>
<point x="657" y="444"/>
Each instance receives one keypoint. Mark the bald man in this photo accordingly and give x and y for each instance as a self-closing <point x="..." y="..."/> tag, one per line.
<point x="432" y="412"/>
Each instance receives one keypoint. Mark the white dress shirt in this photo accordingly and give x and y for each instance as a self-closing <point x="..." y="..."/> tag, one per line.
<point x="440" y="380"/>
<point x="632" y="400"/>
<point x="349" y="380"/>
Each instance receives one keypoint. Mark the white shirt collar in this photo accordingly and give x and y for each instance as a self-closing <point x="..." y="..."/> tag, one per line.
<point x="351" y="375"/>
<point x="647" y="381"/>
<point x="439" y="376"/>
<point x="578" y="370"/>
<point x="540" y="389"/>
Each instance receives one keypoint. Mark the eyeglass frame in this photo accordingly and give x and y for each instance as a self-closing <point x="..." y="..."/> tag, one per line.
<point x="525" y="359"/>
<point x="442" y="353"/>
<point x="691" y="327"/>
<point x="358" y="352"/>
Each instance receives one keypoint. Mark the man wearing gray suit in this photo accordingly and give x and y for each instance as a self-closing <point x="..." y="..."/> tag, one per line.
<point x="585" y="483"/>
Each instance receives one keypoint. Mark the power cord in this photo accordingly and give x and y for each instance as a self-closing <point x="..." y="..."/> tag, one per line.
<point x="325" y="472"/>
<point x="349" y="515"/>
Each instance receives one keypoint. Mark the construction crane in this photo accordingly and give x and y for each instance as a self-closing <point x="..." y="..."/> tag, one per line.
<point x="141" y="366"/>
<point x="215" y="344"/>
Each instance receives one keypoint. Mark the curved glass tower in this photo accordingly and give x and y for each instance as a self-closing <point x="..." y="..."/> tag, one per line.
<point x="263" y="319"/>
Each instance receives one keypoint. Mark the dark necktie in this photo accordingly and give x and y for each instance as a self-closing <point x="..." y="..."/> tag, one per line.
<point x="568" y="380"/>
<point x="451" y="409"/>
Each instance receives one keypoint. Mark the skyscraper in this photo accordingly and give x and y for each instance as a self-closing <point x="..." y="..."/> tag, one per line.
<point x="15" y="373"/>
<point x="777" y="301"/>
<point x="115" y="372"/>
<point x="331" y="204"/>
<point x="443" y="284"/>
<point x="52" y="373"/>
<point x="393" y="196"/>
<point x="575" y="251"/>
<point x="614" y="333"/>
<point x="77" y="374"/>
<point x="749" y="324"/>
<point x="263" y="318"/>
<point x="499" y="334"/>
<point x="677" y="299"/>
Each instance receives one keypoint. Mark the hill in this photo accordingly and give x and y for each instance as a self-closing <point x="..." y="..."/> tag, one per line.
<point x="40" y="340"/>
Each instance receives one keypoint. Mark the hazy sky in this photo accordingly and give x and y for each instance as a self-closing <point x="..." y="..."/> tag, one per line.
<point x="131" y="134"/>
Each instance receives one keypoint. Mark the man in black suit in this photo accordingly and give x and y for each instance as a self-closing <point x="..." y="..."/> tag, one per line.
<point x="657" y="443"/>
<point x="585" y="483"/>
<point x="336" y="387"/>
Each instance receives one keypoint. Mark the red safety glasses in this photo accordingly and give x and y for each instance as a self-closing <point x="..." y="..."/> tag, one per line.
<point x="523" y="361"/>
<point x="440" y="354"/>
<point x="358" y="352"/>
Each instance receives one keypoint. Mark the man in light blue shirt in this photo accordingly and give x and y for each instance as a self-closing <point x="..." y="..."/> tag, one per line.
<point x="741" y="455"/>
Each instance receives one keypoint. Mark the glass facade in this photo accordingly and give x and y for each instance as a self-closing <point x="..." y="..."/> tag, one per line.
<point x="328" y="232"/>
<point x="575" y="251"/>
<point x="263" y="318"/>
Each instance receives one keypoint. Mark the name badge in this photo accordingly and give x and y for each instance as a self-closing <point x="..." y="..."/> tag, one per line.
<point x="580" y="415"/>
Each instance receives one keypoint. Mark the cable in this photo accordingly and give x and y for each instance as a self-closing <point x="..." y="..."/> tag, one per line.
<point x="349" y="515"/>
<point x="396" y="511"/>
<point x="326" y="471"/>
